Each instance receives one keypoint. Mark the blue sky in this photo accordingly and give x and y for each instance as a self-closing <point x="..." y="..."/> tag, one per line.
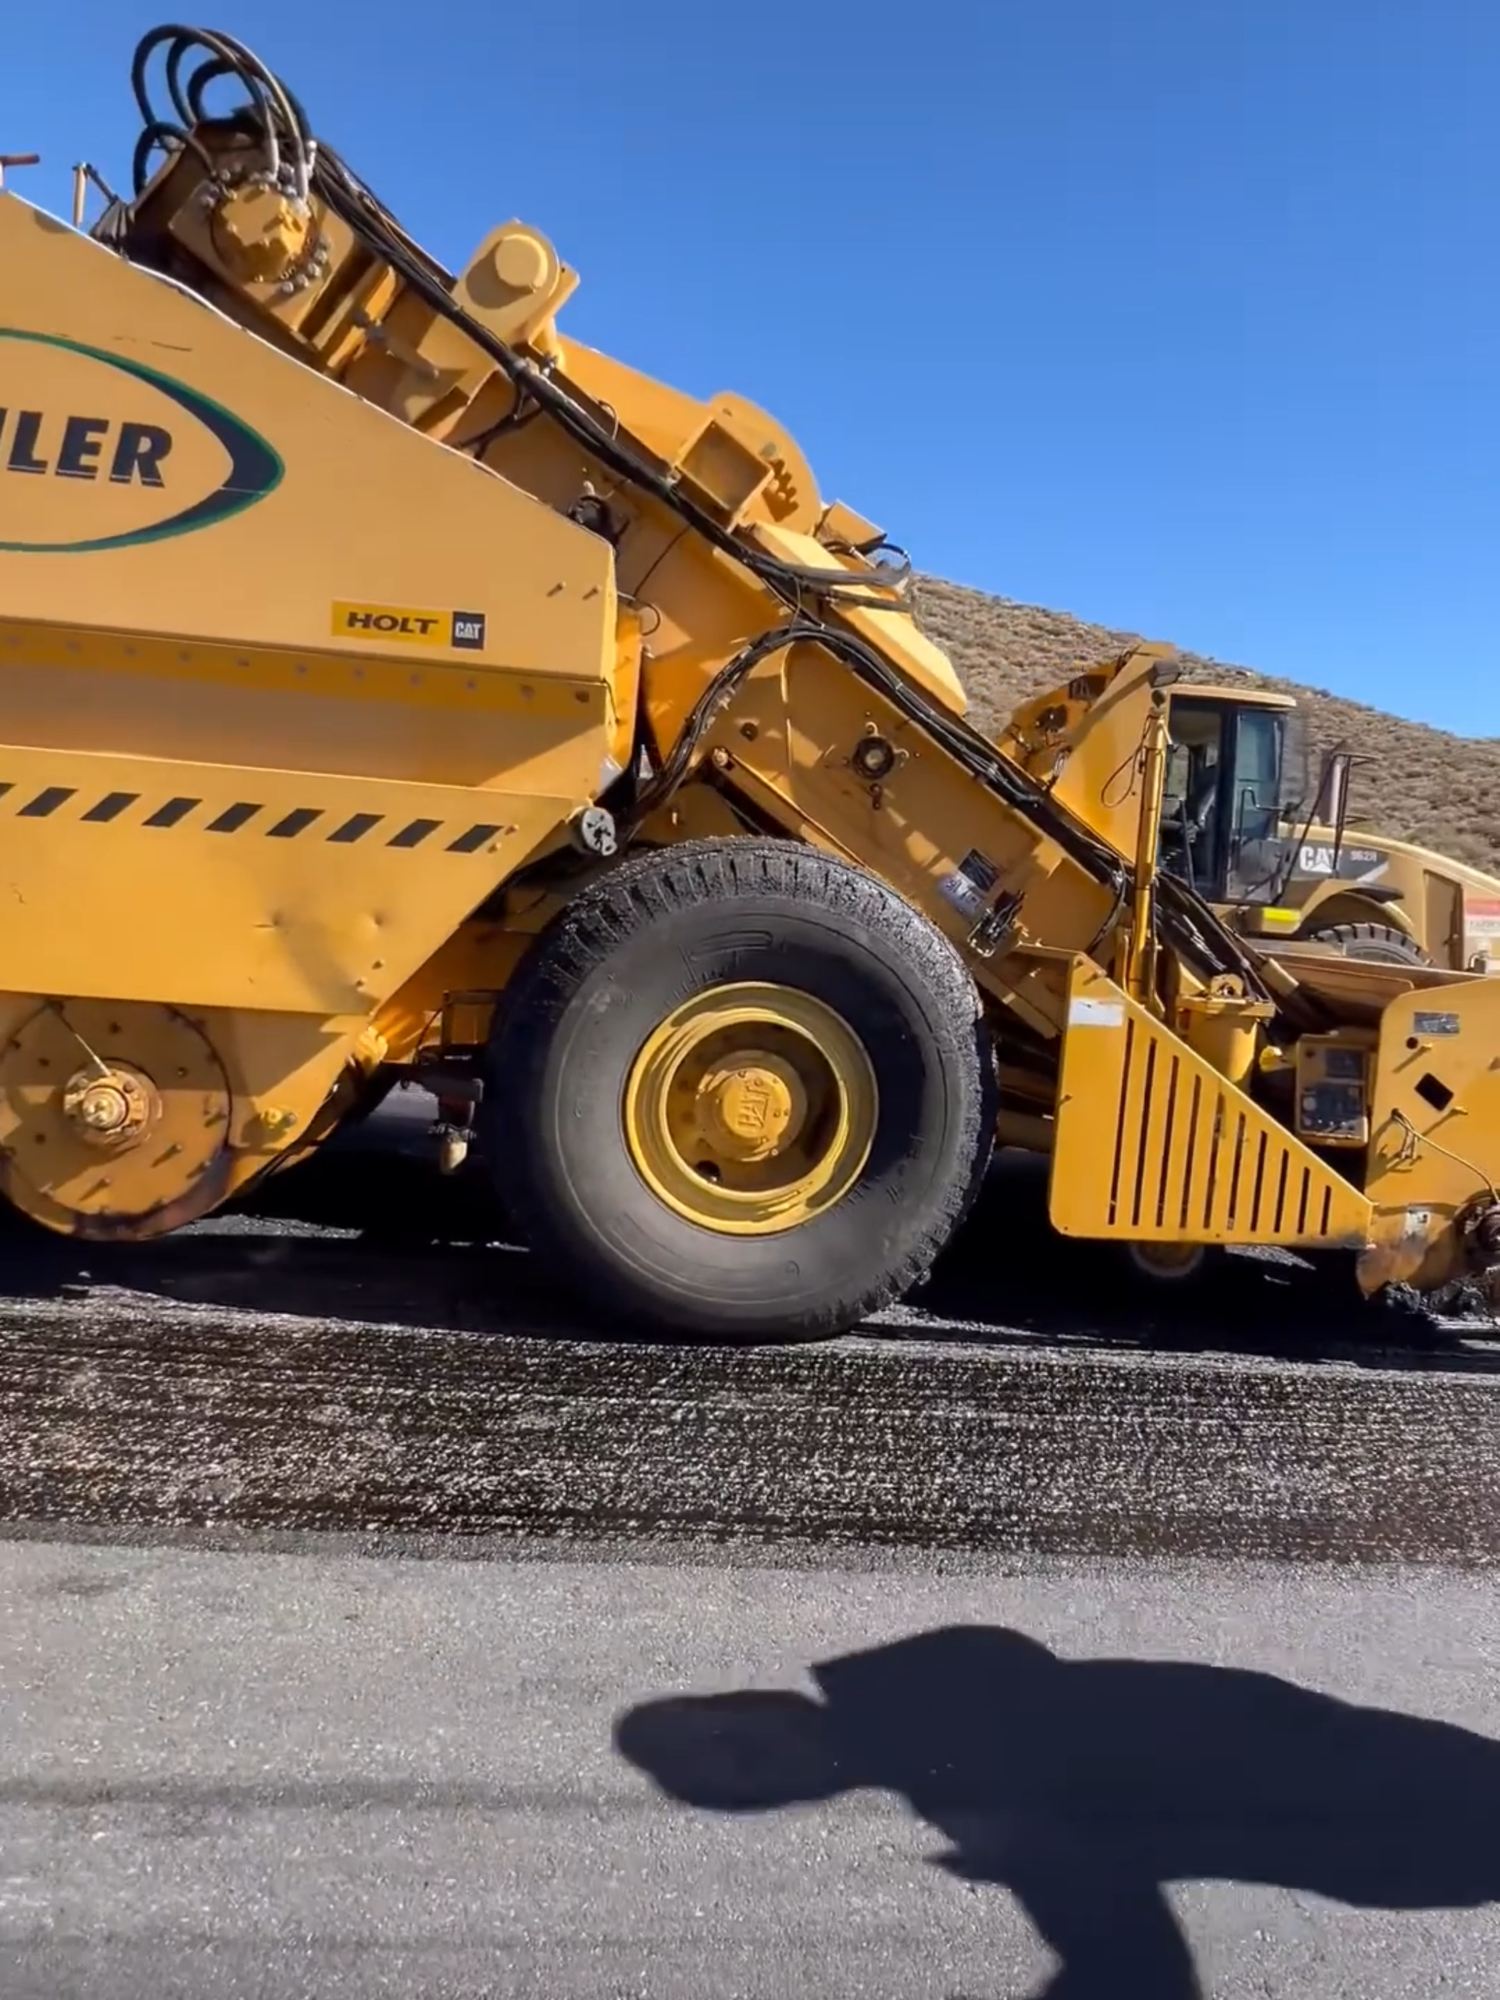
<point x="1181" y="315"/>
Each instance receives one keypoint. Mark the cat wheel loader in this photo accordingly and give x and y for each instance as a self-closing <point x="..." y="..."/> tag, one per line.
<point x="396" y="686"/>
<point x="1245" y="822"/>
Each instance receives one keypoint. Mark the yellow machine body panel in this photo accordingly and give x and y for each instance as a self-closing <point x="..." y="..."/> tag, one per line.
<point x="793" y="737"/>
<point x="892" y="628"/>
<point x="287" y="692"/>
<point x="224" y="885"/>
<point x="1083" y="738"/>
<point x="1434" y="1116"/>
<point x="267" y="735"/>
<point x="220" y="491"/>
<point x="1154" y="1145"/>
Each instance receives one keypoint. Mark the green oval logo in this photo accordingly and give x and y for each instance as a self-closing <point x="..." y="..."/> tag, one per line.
<point x="101" y="452"/>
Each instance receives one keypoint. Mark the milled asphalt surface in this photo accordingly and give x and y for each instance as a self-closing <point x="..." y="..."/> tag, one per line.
<point x="330" y="1567"/>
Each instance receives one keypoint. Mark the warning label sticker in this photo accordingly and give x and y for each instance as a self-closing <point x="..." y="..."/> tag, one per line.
<point x="969" y="885"/>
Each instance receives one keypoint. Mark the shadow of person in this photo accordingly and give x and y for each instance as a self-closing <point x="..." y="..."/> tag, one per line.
<point x="1085" y="1786"/>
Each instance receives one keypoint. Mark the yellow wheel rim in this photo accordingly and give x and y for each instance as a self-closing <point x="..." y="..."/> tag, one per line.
<point x="750" y="1109"/>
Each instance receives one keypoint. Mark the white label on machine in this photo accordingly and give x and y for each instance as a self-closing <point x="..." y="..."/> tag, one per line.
<point x="1482" y="916"/>
<point x="962" y="894"/>
<point x="968" y="887"/>
<point x="1086" y="1013"/>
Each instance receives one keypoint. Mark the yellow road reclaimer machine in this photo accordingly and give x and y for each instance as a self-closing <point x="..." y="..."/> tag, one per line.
<point x="394" y="685"/>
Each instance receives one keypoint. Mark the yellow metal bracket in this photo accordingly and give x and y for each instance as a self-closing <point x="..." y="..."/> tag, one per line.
<point x="1153" y="1144"/>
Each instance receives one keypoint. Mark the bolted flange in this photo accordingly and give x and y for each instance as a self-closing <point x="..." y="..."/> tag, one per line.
<point x="261" y="233"/>
<point x="111" y="1106"/>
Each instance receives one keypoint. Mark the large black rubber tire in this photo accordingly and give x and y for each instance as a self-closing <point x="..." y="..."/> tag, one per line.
<point x="1381" y="942"/>
<point x="639" y="941"/>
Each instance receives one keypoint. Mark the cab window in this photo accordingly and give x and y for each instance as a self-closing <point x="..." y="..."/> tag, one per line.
<point x="1191" y="834"/>
<point x="1254" y="849"/>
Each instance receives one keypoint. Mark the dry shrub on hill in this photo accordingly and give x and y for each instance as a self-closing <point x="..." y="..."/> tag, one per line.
<point x="1414" y="782"/>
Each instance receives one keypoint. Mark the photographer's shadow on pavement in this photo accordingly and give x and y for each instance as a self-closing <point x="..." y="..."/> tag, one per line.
<point x="1085" y="1787"/>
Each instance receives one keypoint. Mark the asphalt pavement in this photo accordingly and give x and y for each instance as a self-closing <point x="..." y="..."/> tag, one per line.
<point x="359" y="1603"/>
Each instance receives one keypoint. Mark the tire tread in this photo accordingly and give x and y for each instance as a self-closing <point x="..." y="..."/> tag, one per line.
<point x="641" y="890"/>
<point x="1341" y="936"/>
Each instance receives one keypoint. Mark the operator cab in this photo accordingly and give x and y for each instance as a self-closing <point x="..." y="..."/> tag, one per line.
<point x="1236" y="781"/>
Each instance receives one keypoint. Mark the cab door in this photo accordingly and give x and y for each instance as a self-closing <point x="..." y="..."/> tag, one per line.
<point x="1254" y="847"/>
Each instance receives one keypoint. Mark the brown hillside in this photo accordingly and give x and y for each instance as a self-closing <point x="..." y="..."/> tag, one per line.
<point x="1418" y="784"/>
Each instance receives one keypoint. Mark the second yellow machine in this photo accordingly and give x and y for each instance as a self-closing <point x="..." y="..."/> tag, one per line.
<point x="395" y="685"/>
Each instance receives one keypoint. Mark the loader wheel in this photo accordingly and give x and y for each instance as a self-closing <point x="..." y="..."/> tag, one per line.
<point x="1381" y="942"/>
<point x="740" y="1089"/>
<point x="1182" y="1264"/>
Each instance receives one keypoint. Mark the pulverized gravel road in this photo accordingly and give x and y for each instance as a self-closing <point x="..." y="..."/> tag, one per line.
<point x="1065" y="1641"/>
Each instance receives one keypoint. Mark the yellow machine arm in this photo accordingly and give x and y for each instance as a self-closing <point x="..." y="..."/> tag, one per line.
<point x="727" y="559"/>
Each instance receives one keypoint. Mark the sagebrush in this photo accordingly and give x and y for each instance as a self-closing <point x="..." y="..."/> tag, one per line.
<point x="1412" y="781"/>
